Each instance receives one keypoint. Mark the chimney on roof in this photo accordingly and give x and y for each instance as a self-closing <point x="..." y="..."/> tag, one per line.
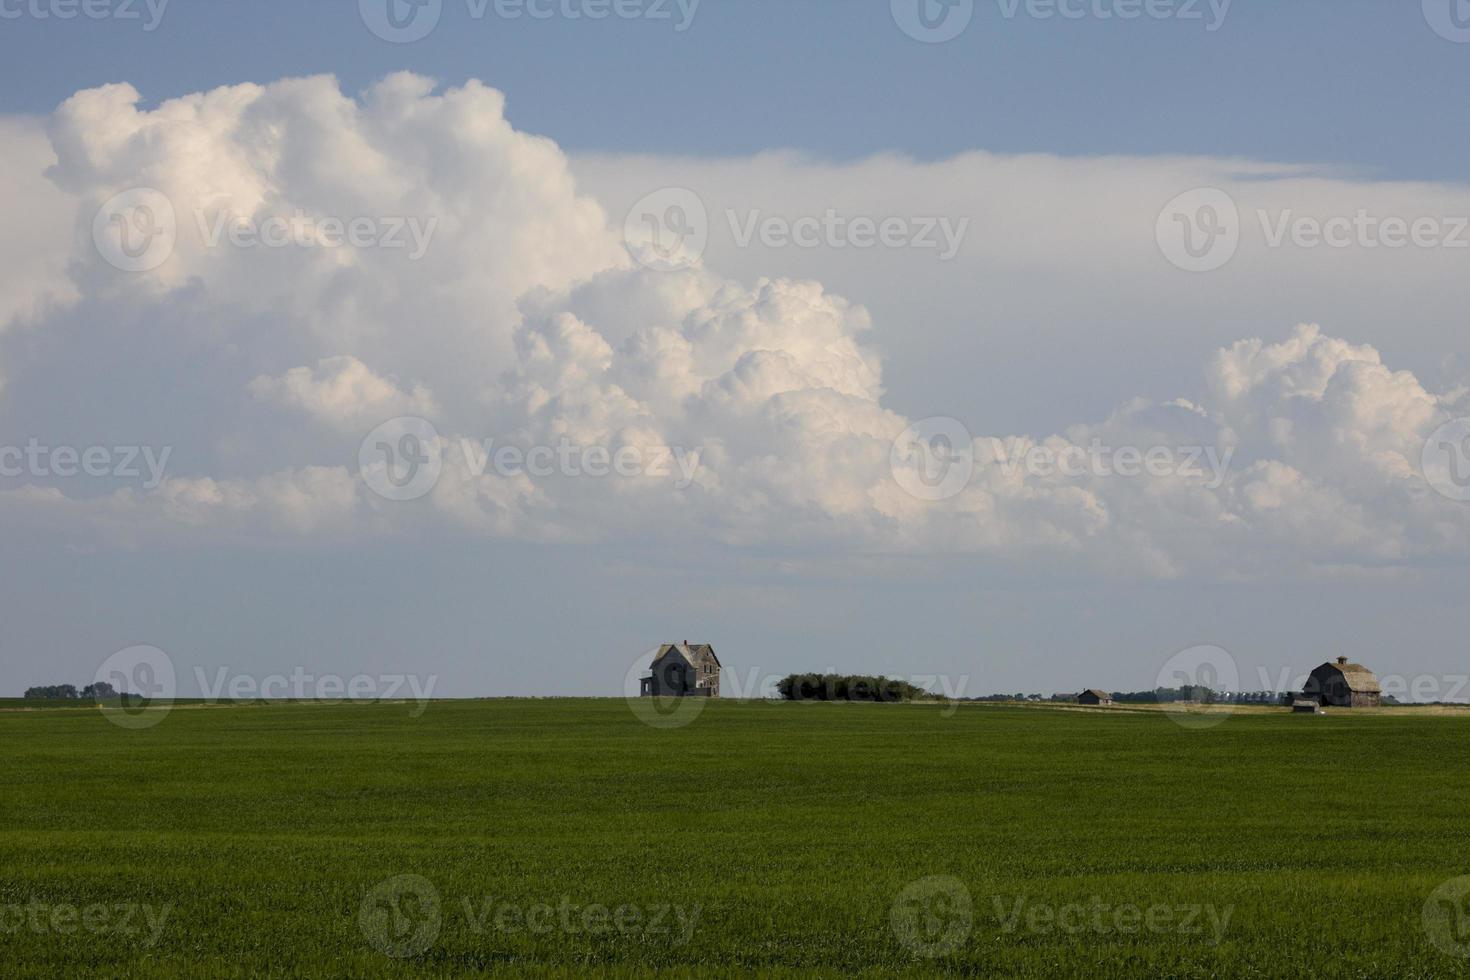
<point x="1342" y="661"/>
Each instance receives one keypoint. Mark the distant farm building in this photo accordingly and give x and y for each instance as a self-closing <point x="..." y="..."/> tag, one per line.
<point x="1343" y="685"/>
<point x="1095" y="697"/>
<point x="683" y="670"/>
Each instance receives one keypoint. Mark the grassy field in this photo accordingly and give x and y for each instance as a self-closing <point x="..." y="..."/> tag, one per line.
<point x="567" y="837"/>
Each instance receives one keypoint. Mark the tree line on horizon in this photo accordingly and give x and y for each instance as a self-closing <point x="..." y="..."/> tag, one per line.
<point x="848" y="687"/>
<point x="97" y="691"/>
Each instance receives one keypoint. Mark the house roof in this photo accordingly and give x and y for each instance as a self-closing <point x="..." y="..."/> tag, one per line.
<point x="1358" y="678"/>
<point x="1102" y="694"/>
<point x="687" y="651"/>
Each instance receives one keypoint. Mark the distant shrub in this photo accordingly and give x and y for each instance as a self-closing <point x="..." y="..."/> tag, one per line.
<point x="846" y="687"/>
<point x="100" y="691"/>
<point x="56" y="692"/>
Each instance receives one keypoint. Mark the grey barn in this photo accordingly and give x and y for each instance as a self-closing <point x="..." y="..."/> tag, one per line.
<point x="1343" y="685"/>
<point x="683" y="670"/>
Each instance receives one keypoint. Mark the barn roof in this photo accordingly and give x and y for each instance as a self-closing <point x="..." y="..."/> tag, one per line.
<point x="1358" y="678"/>
<point x="1101" y="694"/>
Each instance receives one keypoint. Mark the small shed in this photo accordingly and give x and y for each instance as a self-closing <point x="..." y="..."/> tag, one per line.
<point x="1093" y="696"/>
<point x="1306" y="708"/>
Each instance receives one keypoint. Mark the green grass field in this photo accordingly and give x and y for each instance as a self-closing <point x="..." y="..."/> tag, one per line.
<point x="778" y="838"/>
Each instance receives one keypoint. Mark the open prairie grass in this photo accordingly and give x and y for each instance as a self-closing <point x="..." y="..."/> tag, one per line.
<point x="792" y="836"/>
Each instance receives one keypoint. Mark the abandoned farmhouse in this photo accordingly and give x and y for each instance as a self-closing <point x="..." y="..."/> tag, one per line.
<point x="683" y="670"/>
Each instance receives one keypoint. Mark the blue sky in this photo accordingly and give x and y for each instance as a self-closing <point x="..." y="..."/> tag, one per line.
<point x="1357" y="83"/>
<point x="1062" y="318"/>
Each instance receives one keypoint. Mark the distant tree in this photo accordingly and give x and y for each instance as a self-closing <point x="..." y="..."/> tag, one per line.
<point x="56" y="692"/>
<point x="99" y="691"/>
<point x="844" y="687"/>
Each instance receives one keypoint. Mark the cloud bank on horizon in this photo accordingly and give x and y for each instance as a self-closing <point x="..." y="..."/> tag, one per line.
<point x="512" y="316"/>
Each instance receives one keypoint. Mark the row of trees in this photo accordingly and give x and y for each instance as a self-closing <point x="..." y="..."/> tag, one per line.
<point x="847" y="687"/>
<point x="100" y="691"/>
